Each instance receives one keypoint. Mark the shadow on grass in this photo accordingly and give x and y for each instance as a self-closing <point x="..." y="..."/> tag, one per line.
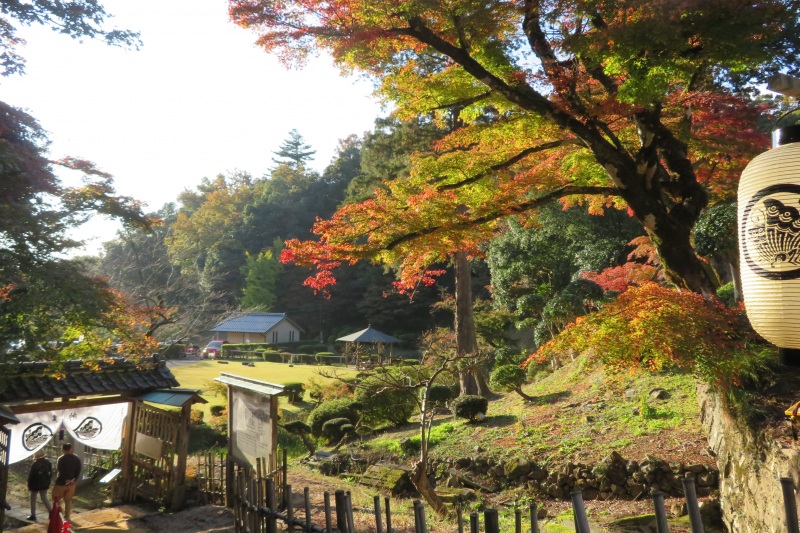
<point x="499" y="421"/>
<point x="553" y="397"/>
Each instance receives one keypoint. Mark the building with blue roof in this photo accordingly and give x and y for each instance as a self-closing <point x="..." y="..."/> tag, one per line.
<point x="258" y="328"/>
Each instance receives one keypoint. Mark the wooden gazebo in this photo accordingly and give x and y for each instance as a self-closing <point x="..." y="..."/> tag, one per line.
<point x="372" y="337"/>
<point x="154" y="441"/>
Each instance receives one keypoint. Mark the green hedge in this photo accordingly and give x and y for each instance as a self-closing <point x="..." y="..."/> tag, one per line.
<point x="257" y="346"/>
<point x="294" y="391"/>
<point x="172" y="351"/>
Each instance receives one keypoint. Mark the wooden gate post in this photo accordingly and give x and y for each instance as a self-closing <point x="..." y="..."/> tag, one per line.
<point x="229" y="478"/>
<point x="182" y="449"/>
<point x="125" y="490"/>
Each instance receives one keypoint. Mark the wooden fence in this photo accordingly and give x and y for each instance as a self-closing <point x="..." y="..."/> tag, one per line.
<point x="260" y="505"/>
<point x="211" y="478"/>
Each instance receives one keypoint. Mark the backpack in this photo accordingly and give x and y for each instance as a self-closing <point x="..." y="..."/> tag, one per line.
<point x="41" y="474"/>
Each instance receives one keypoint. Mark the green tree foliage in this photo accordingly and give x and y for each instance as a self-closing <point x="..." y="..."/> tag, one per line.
<point x="205" y="235"/>
<point x="384" y="404"/>
<point x="75" y="18"/>
<point x="509" y="378"/>
<point x="387" y="151"/>
<point x="535" y="271"/>
<point x="294" y="152"/>
<point x="716" y="237"/>
<point x="261" y="281"/>
<point x="43" y="296"/>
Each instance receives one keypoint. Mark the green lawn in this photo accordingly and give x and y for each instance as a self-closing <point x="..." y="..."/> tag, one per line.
<point x="202" y="373"/>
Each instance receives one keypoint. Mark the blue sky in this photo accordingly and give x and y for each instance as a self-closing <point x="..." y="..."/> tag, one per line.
<point x="198" y="99"/>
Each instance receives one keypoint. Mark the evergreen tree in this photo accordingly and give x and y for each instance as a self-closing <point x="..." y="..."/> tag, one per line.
<point x="294" y="152"/>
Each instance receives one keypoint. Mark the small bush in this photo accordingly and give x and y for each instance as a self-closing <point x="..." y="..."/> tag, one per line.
<point x="470" y="407"/>
<point x="196" y="417"/>
<point x="725" y="293"/>
<point x="440" y="394"/>
<point x="507" y="378"/>
<point x="217" y="410"/>
<point x="294" y="391"/>
<point x="333" y="429"/>
<point x="341" y="408"/>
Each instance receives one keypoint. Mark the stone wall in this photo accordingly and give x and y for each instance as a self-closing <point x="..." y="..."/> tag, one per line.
<point x="751" y="463"/>
<point x="612" y="478"/>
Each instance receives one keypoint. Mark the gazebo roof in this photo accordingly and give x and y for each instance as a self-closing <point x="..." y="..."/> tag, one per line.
<point x="369" y="335"/>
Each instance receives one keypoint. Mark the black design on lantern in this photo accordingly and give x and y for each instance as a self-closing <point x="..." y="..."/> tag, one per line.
<point x="89" y="428"/>
<point x="35" y="436"/>
<point x="770" y="232"/>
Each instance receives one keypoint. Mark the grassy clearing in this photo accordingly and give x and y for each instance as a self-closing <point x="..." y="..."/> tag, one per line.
<point x="200" y="376"/>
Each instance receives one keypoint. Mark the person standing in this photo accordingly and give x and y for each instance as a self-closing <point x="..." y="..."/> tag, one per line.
<point x="69" y="470"/>
<point x="39" y="478"/>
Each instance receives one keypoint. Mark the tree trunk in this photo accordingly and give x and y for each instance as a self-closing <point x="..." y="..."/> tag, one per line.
<point x="466" y="338"/>
<point x="419" y="477"/>
<point x="737" y="279"/>
<point x="519" y="391"/>
<point x="681" y="265"/>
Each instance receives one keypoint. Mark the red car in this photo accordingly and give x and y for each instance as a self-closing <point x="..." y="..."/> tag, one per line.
<point x="213" y="349"/>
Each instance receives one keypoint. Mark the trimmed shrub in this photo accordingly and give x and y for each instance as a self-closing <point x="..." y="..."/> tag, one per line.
<point x="439" y="394"/>
<point x="217" y="410"/>
<point x="297" y="427"/>
<point x="507" y="378"/>
<point x="341" y="408"/>
<point x="272" y="356"/>
<point x="312" y="348"/>
<point x="385" y="404"/>
<point x="470" y="407"/>
<point x="294" y="391"/>
<point x="333" y="429"/>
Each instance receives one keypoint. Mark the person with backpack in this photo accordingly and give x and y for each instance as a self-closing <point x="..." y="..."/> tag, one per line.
<point x="39" y="481"/>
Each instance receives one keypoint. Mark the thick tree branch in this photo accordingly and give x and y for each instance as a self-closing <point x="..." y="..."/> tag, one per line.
<point x="522" y="207"/>
<point x="508" y="162"/>
<point x="465" y="102"/>
<point x="608" y="155"/>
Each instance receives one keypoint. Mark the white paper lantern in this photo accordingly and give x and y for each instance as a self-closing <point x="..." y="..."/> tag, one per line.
<point x="769" y="240"/>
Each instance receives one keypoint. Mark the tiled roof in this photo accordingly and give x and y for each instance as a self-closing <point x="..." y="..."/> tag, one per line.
<point x="27" y="382"/>
<point x="251" y="323"/>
